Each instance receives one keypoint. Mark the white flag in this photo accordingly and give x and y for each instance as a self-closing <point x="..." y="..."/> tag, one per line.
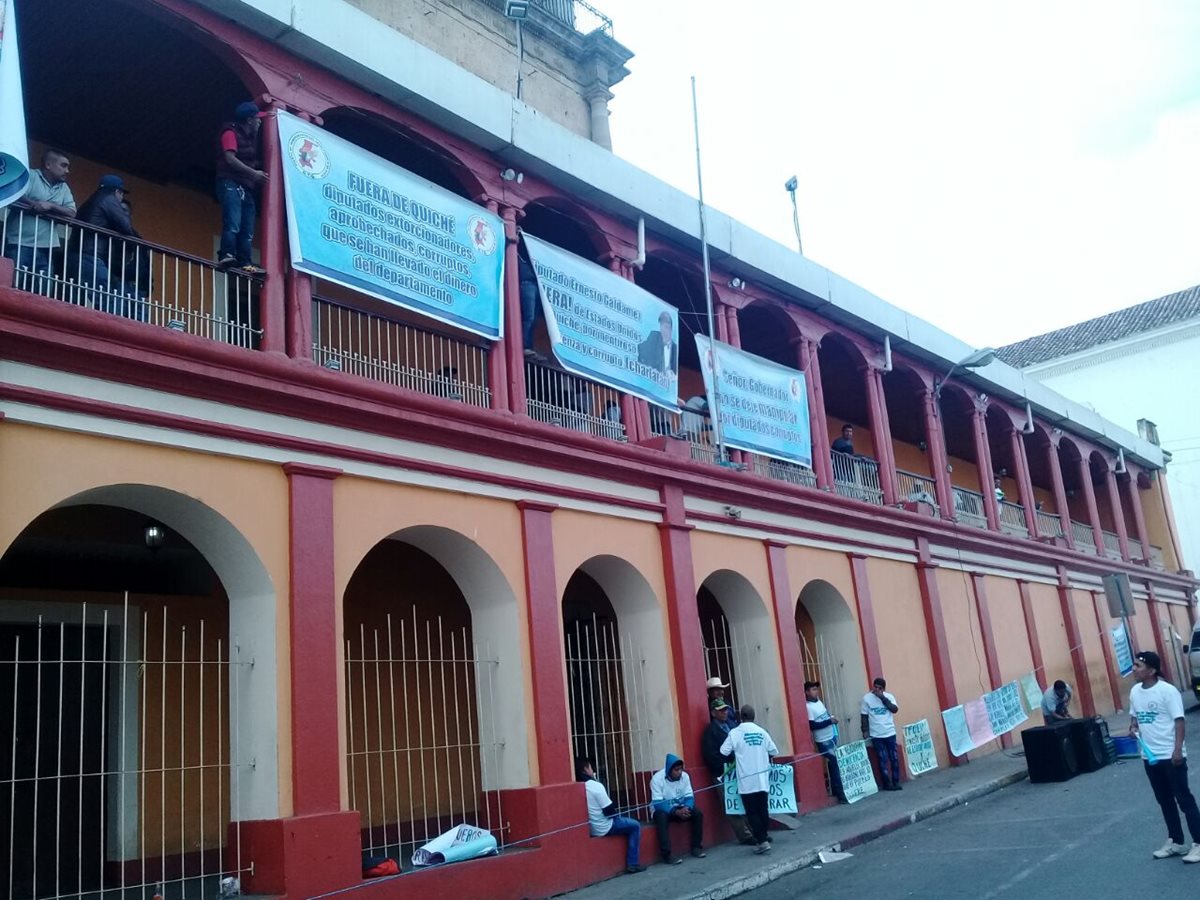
<point x="14" y="150"/>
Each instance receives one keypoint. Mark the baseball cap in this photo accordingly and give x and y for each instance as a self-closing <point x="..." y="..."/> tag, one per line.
<point x="1150" y="658"/>
<point x="246" y="110"/>
<point x="718" y="704"/>
<point x="116" y="182"/>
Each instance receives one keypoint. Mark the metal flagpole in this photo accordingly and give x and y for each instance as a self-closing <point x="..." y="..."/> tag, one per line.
<point x="712" y="331"/>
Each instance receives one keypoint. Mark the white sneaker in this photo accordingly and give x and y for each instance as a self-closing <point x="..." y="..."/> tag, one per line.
<point x="1193" y="855"/>
<point x="1170" y="848"/>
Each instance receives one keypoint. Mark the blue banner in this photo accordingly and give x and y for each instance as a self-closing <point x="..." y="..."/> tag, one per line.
<point x="363" y="222"/>
<point x="14" y="147"/>
<point x="764" y="406"/>
<point x="606" y="328"/>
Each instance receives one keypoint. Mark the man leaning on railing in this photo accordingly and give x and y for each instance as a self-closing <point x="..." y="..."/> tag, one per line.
<point x="30" y="238"/>
<point x="105" y="263"/>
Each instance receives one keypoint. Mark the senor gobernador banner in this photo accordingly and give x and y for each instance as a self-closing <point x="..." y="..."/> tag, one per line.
<point x="763" y="405"/>
<point x="606" y="328"/>
<point x="356" y="219"/>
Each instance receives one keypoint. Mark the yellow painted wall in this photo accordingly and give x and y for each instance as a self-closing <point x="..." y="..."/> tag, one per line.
<point x="43" y="467"/>
<point x="1052" y="637"/>
<point x="903" y="647"/>
<point x="1009" y="634"/>
<point x="964" y="474"/>
<point x="911" y="458"/>
<point x="965" y="639"/>
<point x="1158" y="526"/>
<point x="1093" y="649"/>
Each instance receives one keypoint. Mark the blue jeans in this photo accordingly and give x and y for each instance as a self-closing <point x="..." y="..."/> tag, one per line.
<point x="826" y="749"/>
<point x="889" y="758"/>
<point x="529" y="306"/>
<point x="622" y="825"/>
<point x="239" y="211"/>
<point x="111" y="294"/>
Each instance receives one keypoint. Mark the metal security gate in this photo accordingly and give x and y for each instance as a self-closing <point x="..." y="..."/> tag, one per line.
<point x="416" y="756"/>
<point x="607" y="695"/>
<point x="821" y="665"/>
<point x="117" y="778"/>
<point x="731" y="655"/>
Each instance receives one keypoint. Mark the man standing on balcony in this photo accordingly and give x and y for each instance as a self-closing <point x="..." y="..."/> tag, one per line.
<point x="845" y="444"/>
<point x="101" y="262"/>
<point x="30" y="238"/>
<point x="239" y="176"/>
<point x="878" y="708"/>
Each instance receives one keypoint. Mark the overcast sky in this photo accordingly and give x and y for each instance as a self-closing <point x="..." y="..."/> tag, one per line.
<point x="998" y="168"/>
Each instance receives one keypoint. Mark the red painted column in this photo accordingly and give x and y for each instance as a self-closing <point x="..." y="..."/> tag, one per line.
<point x="1060" y="493"/>
<point x="550" y="722"/>
<point x="821" y="465"/>
<point x="1024" y="482"/>
<point x="1139" y="517"/>
<point x="935" y="441"/>
<point x="1114" y="502"/>
<point x="1160" y="646"/>
<point x="318" y="847"/>
<point x="881" y="434"/>
<point x="1089" y="493"/>
<point x="866" y="615"/>
<point x="722" y="318"/>
<point x="990" y="655"/>
<point x="735" y="331"/>
<point x="272" y="241"/>
<point x="298" y="296"/>
<point x="1075" y="642"/>
<point x="810" y="769"/>
<point x="506" y="360"/>
<point x="886" y="444"/>
<point x="1114" y="679"/>
<point x="683" y="621"/>
<point x="820" y="431"/>
<point x="939" y="643"/>
<point x="983" y="462"/>
<point x="1035" y="646"/>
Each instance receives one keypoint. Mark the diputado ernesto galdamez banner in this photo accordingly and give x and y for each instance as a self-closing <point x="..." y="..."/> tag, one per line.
<point x="356" y="219"/>
<point x="606" y="328"/>
<point x="763" y="405"/>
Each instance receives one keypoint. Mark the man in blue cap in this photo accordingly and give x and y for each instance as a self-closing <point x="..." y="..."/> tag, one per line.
<point x="110" y="265"/>
<point x="239" y="176"/>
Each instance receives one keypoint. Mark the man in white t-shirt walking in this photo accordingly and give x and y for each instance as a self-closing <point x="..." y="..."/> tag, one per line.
<point x="877" y="709"/>
<point x="1156" y="719"/>
<point x="752" y="749"/>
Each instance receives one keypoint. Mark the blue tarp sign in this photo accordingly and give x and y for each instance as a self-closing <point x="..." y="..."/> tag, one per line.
<point x="1121" y="649"/>
<point x="764" y="406"/>
<point x="606" y="328"/>
<point x="363" y="222"/>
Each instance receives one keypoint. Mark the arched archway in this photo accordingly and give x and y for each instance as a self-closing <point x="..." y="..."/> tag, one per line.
<point x="956" y="410"/>
<point x="433" y="731"/>
<point x="739" y="638"/>
<point x="1077" y="517"/>
<point x="904" y="395"/>
<point x="856" y="469"/>
<point x="617" y="675"/>
<point x="767" y="331"/>
<point x="1001" y="434"/>
<point x="831" y="647"/>
<point x="146" y="681"/>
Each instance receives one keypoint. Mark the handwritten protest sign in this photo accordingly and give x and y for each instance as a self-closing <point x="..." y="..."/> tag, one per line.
<point x="978" y="722"/>
<point x="957" y="732"/>
<point x="858" y="780"/>
<point x="1033" y="691"/>
<point x="781" y="791"/>
<point x="1121" y="649"/>
<point x="918" y="748"/>
<point x="1004" y="708"/>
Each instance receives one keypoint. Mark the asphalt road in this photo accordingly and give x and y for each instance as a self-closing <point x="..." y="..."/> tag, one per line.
<point x="1091" y="836"/>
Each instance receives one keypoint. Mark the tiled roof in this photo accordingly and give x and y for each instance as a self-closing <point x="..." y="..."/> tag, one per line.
<point x="1123" y="323"/>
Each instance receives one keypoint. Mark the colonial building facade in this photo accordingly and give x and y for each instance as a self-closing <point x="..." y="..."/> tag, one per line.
<point x="291" y="574"/>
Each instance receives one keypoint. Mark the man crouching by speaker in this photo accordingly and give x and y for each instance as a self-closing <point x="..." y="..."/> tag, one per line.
<point x="1156" y="720"/>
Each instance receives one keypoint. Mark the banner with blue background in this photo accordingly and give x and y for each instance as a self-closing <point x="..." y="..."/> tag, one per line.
<point x="14" y="149"/>
<point x="363" y="222"/>
<point x="764" y="406"/>
<point x="606" y="328"/>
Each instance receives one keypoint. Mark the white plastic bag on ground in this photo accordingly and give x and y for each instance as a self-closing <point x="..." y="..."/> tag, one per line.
<point x="459" y="843"/>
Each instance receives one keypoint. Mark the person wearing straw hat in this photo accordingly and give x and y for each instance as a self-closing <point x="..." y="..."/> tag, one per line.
<point x="1156" y="720"/>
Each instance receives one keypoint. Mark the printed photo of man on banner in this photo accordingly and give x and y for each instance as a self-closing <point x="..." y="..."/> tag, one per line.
<point x="605" y="328"/>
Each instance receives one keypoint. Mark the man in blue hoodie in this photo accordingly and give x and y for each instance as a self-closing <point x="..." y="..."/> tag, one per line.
<point x="672" y="798"/>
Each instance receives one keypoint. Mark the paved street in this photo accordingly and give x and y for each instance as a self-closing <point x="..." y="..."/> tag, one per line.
<point x="1091" y="836"/>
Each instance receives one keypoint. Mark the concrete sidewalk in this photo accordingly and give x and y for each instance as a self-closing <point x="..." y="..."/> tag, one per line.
<point x="732" y="869"/>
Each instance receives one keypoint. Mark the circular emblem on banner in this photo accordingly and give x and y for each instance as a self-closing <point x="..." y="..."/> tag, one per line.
<point x="308" y="156"/>
<point x="795" y="388"/>
<point x="483" y="235"/>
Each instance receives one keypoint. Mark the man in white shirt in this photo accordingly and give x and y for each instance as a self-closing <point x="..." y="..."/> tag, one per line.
<point x="824" y="733"/>
<point x="30" y="238"/>
<point x="752" y="750"/>
<point x="1156" y="719"/>
<point x="602" y="815"/>
<point x="876" y="711"/>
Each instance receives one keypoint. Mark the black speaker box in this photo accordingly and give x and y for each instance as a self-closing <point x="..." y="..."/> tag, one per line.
<point x="1087" y="738"/>
<point x="1049" y="753"/>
